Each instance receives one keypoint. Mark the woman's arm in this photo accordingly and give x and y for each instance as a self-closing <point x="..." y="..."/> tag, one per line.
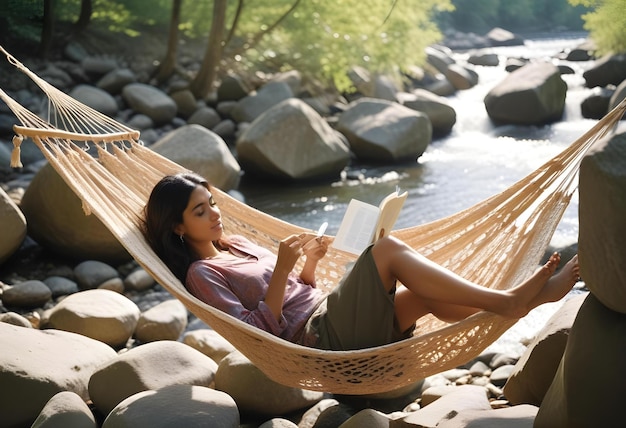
<point x="289" y="251"/>
<point x="213" y="288"/>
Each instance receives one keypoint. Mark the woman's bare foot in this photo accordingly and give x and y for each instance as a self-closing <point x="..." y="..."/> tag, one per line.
<point x="524" y="295"/>
<point x="558" y="285"/>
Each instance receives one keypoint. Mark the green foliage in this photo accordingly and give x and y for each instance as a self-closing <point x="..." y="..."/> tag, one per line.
<point x="606" y="24"/>
<point x="324" y="39"/>
<point x="22" y="18"/>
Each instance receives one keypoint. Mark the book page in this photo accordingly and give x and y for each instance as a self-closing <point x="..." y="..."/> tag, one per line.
<point x="356" y="229"/>
<point x="389" y="211"/>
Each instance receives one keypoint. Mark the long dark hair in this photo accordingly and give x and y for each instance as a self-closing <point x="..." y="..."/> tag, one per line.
<point x="163" y="212"/>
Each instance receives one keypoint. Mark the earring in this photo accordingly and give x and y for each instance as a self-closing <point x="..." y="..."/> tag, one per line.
<point x="182" y="240"/>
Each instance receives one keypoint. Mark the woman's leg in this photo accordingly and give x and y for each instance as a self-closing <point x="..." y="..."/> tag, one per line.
<point x="434" y="289"/>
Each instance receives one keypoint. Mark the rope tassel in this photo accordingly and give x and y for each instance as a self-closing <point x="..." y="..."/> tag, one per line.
<point x="16" y="162"/>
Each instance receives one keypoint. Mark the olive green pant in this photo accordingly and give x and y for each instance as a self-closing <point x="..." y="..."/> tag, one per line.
<point x="359" y="312"/>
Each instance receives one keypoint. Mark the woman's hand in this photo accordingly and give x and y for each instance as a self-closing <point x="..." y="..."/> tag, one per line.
<point x="289" y="251"/>
<point x="315" y="249"/>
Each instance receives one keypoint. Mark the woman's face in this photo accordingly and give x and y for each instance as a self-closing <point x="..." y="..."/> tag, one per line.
<point x="201" y="218"/>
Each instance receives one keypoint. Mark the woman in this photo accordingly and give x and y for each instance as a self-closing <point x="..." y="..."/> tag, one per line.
<point x="368" y="308"/>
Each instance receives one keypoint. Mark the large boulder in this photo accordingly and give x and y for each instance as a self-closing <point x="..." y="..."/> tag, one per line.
<point x="602" y="209"/>
<point x="12" y="227"/>
<point x="608" y="70"/>
<point x="35" y="365"/>
<point x="65" y="409"/>
<point x="254" y="105"/>
<point x="291" y="140"/>
<point x="588" y="388"/>
<point x="203" y="152"/>
<point x="255" y="393"/>
<point x="441" y="114"/>
<point x="534" y="371"/>
<point x="531" y="95"/>
<point x="384" y="131"/>
<point x="56" y="220"/>
<point x="151" y="101"/>
<point x="175" y="405"/>
<point x="100" y="314"/>
<point x="154" y="365"/>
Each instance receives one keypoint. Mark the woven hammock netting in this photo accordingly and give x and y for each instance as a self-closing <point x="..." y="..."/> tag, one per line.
<point x="497" y="242"/>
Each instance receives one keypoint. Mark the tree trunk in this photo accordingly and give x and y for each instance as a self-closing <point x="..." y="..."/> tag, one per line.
<point x="166" y="68"/>
<point x="47" y="29"/>
<point x="202" y="84"/>
<point x="86" y="9"/>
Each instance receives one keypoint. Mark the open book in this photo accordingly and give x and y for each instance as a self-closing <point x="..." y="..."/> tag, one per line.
<point x="364" y="223"/>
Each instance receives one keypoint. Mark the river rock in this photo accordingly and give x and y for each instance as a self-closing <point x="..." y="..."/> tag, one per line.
<point x="535" y="369"/>
<point x="461" y="76"/>
<point x="139" y="280"/>
<point x="65" y="409"/>
<point x="439" y="58"/>
<point x="209" y="342"/>
<point x="92" y="274"/>
<point x="462" y="398"/>
<point x="608" y="70"/>
<point x="16" y="319"/>
<point x="175" y="405"/>
<point x="501" y="37"/>
<point x="205" y="116"/>
<point x="254" y="105"/>
<point x="99" y="65"/>
<point x="102" y="315"/>
<point x="587" y="390"/>
<point x="61" y="286"/>
<point x="384" y="131"/>
<point x="278" y="423"/>
<point x="150" y="101"/>
<point x="596" y="105"/>
<point x="367" y="418"/>
<point x="40" y="365"/>
<point x="484" y="58"/>
<point x="255" y="393"/>
<point x="185" y="102"/>
<point x="293" y="78"/>
<point x="114" y="81"/>
<point x="203" y="152"/>
<point x="304" y="146"/>
<point x="441" y="114"/>
<point x="521" y="416"/>
<point x="12" y="226"/>
<point x="531" y="95"/>
<point x="602" y="209"/>
<point x="232" y="88"/>
<point x="95" y="98"/>
<point x="165" y="321"/>
<point x="57" y="221"/>
<point x="27" y="294"/>
<point x="154" y="365"/>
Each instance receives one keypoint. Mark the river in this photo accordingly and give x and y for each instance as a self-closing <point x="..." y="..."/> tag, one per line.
<point x="475" y="161"/>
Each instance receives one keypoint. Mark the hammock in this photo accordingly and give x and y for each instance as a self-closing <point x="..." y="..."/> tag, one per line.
<point x="497" y="242"/>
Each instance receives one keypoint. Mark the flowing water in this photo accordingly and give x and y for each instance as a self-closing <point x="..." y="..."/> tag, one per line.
<point x="474" y="162"/>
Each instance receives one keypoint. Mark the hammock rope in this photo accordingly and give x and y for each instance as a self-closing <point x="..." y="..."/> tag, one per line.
<point x="497" y="242"/>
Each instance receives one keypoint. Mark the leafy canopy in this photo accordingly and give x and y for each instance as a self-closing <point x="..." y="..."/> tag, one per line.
<point x="606" y="24"/>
